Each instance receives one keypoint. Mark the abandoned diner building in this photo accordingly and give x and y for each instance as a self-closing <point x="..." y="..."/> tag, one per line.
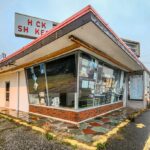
<point x="78" y="70"/>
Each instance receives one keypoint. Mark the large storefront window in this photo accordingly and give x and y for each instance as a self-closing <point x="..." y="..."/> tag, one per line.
<point x="37" y="84"/>
<point x="88" y="76"/>
<point x="99" y="84"/>
<point x="110" y="85"/>
<point x="53" y="83"/>
<point x="61" y="79"/>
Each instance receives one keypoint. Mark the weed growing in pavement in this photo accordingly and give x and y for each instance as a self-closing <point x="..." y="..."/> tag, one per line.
<point x="131" y="117"/>
<point x="119" y="137"/>
<point x="68" y="144"/>
<point x="48" y="136"/>
<point x="101" y="146"/>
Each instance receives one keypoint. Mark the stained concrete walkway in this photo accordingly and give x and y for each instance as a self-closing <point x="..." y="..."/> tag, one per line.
<point x="86" y="132"/>
<point x="133" y="136"/>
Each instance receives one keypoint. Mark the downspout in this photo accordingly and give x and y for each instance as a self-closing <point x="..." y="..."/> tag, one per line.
<point x="144" y="90"/>
<point x="76" y="103"/>
<point x="18" y="95"/>
<point x="125" y="94"/>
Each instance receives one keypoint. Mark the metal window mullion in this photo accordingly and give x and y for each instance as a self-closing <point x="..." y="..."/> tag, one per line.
<point x="96" y="61"/>
<point x="121" y="79"/>
<point x="76" y="106"/>
<point x="46" y="84"/>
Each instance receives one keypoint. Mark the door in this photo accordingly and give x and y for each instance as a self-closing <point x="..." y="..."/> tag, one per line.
<point x="7" y="93"/>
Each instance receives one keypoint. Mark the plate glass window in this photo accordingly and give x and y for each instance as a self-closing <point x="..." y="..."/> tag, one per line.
<point x="100" y="83"/>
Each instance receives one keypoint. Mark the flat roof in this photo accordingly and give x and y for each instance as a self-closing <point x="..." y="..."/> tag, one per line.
<point x="65" y="27"/>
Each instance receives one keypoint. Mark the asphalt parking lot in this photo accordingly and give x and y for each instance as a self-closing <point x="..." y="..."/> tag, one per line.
<point x="16" y="137"/>
<point x="132" y="137"/>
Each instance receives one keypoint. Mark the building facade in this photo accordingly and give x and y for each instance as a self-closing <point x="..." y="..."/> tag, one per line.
<point x="78" y="70"/>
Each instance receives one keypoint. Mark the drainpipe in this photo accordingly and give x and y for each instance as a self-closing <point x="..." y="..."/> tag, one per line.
<point x="144" y="89"/>
<point x="125" y="94"/>
<point x="18" y="84"/>
<point x="76" y="103"/>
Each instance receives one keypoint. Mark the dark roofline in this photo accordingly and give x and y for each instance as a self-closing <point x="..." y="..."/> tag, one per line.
<point x="80" y="18"/>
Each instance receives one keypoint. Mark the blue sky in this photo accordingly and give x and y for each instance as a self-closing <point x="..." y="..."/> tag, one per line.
<point x="128" y="18"/>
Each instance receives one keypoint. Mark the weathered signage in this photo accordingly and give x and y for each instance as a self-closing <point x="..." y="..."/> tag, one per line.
<point x="31" y="27"/>
<point x="134" y="46"/>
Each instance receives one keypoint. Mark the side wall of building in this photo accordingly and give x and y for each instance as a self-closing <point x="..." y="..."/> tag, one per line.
<point x="24" y="102"/>
<point x="146" y="89"/>
<point x="18" y="98"/>
<point x="142" y="104"/>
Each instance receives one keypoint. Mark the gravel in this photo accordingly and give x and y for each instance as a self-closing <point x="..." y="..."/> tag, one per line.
<point x="16" y="137"/>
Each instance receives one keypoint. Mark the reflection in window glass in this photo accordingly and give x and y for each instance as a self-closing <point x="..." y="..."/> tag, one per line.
<point x="88" y="77"/>
<point x="110" y="85"/>
<point x="61" y="79"/>
<point x="99" y="84"/>
<point x="36" y="84"/>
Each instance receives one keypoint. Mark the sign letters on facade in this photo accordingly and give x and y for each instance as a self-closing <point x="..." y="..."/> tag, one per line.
<point x="31" y="27"/>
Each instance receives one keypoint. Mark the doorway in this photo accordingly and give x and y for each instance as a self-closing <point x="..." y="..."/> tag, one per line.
<point x="7" y="93"/>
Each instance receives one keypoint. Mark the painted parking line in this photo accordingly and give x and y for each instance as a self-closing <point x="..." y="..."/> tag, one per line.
<point x="104" y="138"/>
<point x="140" y="125"/>
<point x="147" y="144"/>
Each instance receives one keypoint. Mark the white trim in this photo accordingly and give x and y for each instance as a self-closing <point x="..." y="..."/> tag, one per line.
<point x="121" y="79"/>
<point x="76" y="104"/>
<point x="60" y="108"/>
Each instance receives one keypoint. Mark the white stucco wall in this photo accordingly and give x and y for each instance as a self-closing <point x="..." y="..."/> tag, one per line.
<point x="2" y="91"/>
<point x="23" y="96"/>
<point x="23" y="102"/>
<point x="135" y="104"/>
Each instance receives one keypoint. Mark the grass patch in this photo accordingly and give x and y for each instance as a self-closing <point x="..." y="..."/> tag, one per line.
<point x="48" y="136"/>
